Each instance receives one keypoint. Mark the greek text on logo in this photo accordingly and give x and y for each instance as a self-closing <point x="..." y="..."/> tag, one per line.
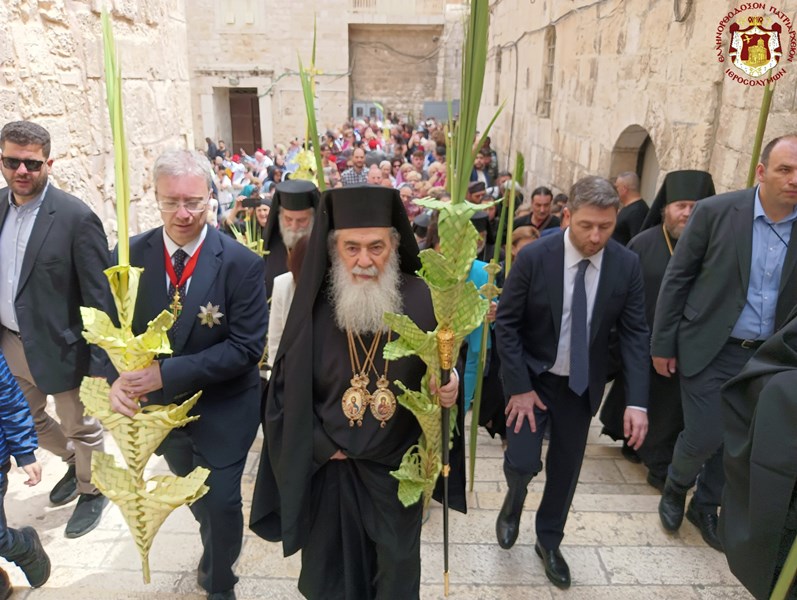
<point x="760" y="38"/>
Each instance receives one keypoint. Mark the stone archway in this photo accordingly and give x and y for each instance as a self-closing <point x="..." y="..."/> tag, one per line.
<point x="635" y="151"/>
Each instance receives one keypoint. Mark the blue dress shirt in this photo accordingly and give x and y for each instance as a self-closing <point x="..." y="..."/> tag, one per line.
<point x="770" y="242"/>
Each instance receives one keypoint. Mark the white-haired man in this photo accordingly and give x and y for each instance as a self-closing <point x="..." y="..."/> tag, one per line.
<point x="333" y="437"/>
<point x="217" y="341"/>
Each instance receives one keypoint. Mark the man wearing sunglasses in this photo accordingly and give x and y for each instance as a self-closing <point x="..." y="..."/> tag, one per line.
<point x="53" y="250"/>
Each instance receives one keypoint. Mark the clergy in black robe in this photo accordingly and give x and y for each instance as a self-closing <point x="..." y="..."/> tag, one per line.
<point x="291" y="218"/>
<point x="324" y="483"/>
<point x="673" y="203"/>
<point x="758" y="521"/>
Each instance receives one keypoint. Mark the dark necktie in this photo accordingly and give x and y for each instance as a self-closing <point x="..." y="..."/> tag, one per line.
<point x="579" y="342"/>
<point x="178" y="260"/>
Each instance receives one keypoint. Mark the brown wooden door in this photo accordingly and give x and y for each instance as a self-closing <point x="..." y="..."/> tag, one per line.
<point x="245" y="117"/>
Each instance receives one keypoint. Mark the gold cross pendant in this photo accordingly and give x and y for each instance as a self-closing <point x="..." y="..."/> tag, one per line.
<point x="176" y="306"/>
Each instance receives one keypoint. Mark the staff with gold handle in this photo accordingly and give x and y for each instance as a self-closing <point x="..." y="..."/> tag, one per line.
<point x="445" y="349"/>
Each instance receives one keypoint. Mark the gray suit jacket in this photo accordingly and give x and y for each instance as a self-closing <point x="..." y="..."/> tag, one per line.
<point x="705" y="285"/>
<point x="62" y="270"/>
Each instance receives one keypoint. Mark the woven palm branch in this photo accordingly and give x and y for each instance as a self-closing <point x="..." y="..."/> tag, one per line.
<point x="457" y="304"/>
<point x="145" y="508"/>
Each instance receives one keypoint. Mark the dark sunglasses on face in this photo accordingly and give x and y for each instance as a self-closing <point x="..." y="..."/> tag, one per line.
<point x="30" y="164"/>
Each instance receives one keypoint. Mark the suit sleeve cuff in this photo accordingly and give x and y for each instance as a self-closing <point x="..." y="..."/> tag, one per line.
<point x="25" y="459"/>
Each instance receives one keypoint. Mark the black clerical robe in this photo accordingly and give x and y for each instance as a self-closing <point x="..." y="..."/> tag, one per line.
<point x="665" y="416"/>
<point x="347" y="515"/>
<point x="758" y="520"/>
<point x="276" y="264"/>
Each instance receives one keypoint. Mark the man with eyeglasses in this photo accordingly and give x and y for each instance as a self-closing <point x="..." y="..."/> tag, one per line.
<point x="54" y="251"/>
<point x="216" y="287"/>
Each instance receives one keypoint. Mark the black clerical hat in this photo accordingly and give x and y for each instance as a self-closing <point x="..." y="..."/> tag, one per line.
<point x="295" y="194"/>
<point x="679" y="185"/>
<point x="360" y="206"/>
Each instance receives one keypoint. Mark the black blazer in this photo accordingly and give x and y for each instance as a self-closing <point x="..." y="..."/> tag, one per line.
<point x="62" y="270"/>
<point x="222" y="360"/>
<point x="530" y="318"/>
<point x="705" y="285"/>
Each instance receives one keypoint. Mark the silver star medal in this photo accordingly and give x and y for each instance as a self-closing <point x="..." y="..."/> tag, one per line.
<point x="209" y="315"/>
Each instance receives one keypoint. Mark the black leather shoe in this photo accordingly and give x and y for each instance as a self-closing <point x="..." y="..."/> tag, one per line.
<point x="87" y="515"/>
<point x="656" y="481"/>
<point x="507" y="525"/>
<point x="671" y="507"/>
<point x="66" y="489"/>
<point x="556" y="568"/>
<point x="228" y="595"/>
<point x="706" y="522"/>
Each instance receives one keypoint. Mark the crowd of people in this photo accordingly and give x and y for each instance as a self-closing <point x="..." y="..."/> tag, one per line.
<point x="670" y="301"/>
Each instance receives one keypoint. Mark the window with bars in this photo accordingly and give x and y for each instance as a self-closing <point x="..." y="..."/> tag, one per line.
<point x="547" y="73"/>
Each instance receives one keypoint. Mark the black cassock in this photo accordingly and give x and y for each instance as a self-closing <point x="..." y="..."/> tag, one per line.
<point x="356" y="537"/>
<point x="758" y="521"/>
<point x="665" y="416"/>
<point x="276" y="264"/>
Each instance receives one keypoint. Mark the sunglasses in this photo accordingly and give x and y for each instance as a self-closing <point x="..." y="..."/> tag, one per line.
<point x="30" y="164"/>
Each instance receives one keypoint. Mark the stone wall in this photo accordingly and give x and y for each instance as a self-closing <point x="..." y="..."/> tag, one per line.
<point x="256" y="44"/>
<point x="51" y="72"/>
<point x="624" y="70"/>
<point x="395" y="66"/>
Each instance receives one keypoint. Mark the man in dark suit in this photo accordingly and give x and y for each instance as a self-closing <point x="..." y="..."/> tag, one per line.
<point x="53" y="251"/>
<point x="563" y="296"/>
<point x="217" y="342"/>
<point x="730" y="284"/>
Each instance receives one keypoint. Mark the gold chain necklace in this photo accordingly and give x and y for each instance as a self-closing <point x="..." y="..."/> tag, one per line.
<point x="357" y="398"/>
<point x="667" y="238"/>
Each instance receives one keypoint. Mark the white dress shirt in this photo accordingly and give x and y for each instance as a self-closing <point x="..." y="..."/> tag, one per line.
<point x="591" y="276"/>
<point x="190" y="248"/>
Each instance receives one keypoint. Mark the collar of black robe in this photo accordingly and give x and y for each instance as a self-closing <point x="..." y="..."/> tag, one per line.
<point x="295" y="194"/>
<point x="679" y="185"/>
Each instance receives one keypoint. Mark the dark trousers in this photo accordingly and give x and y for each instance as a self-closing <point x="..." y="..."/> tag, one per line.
<point x="569" y="416"/>
<point x="218" y="512"/>
<point x="698" y="452"/>
<point x="363" y="544"/>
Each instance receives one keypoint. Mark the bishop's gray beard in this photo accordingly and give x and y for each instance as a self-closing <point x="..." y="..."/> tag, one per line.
<point x="290" y="237"/>
<point x="359" y="305"/>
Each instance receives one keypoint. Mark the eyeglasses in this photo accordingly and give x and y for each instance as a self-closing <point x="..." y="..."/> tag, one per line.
<point x="30" y="164"/>
<point x="194" y="205"/>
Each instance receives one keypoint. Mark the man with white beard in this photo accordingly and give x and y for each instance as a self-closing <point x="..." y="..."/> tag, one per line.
<point x="334" y="429"/>
<point x="291" y="218"/>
